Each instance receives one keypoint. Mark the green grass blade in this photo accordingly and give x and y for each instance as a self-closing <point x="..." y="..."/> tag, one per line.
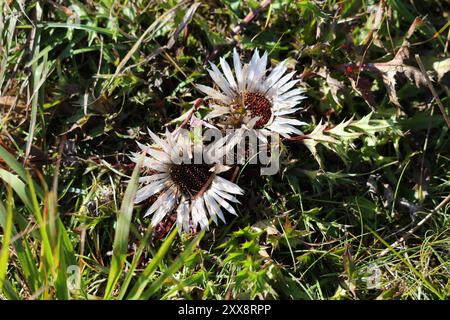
<point x="38" y="71"/>
<point x="7" y="231"/>
<point x="62" y="291"/>
<point x="17" y="167"/>
<point x="66" y="257"/>
<point x="79" y="27"/>
<point x="46" y="244"/>
<point x="144" y="278"/>
<point x="18" y="186"/>
<point x="398" y="255"/>
<point x="23" y="253"/>
<point x="174" y="267"/>
<point x="134" y="263"/>
<point x="9" y="291"/>
<point x="120" y="245"/>
<point x="149" y="33"/>
<point x="9" y="24"/>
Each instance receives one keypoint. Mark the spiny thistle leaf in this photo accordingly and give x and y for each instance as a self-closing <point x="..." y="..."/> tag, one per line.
<point x="340" y="138"/>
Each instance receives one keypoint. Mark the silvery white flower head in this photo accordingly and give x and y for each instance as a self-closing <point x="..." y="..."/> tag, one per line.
<point x="250" y="98"/>
<point x="193" y="190"/>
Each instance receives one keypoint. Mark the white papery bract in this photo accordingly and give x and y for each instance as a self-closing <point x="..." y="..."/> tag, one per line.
<point x="251" y="98"/>
<point x="194" y="191"/>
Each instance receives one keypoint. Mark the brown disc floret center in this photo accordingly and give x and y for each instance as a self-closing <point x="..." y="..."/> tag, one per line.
<point x="190" y="178"/>
<point x="257" y="105"/>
